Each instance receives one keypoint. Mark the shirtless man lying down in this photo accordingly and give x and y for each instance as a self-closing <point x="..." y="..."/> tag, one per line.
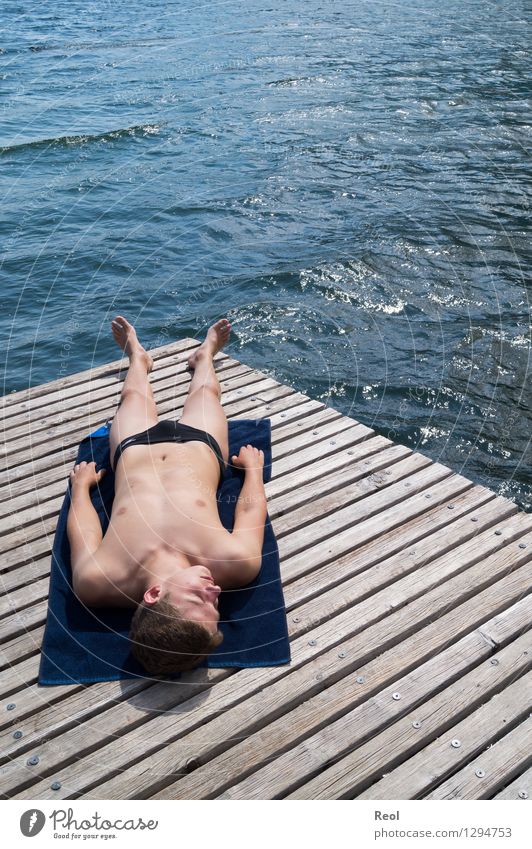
<point x="165" y="551"/>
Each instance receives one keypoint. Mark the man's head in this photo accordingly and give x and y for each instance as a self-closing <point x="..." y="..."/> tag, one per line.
<point x="176" y="624"/>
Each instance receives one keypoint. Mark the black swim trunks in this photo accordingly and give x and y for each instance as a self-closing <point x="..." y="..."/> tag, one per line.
<point x="168" y="430"/>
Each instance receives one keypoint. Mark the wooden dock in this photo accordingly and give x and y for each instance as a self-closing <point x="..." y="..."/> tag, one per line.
<point x="406" y="590"/>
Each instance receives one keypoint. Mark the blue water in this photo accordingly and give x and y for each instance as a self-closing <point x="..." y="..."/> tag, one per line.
<point x="346" y="181"/>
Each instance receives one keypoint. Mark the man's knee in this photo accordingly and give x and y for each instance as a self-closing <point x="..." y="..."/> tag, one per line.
<point x="211" y="387"/>
<point x="129" y="393"/>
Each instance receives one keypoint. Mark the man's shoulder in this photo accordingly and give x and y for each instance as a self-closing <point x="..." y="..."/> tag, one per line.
<point x="233" y="565"/>
<point x="98" y="582"/>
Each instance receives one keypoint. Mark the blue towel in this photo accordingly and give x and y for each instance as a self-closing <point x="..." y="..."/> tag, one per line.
<point x="83" y="644"/>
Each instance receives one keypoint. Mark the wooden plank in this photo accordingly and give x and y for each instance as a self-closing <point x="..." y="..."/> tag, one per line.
<point x="275" y="759"/>
<point x="286" y="429"/>
<point x="168" y="382"/>
<point x="416" y="540"/>
<point x="21" y="647"/>
<point x="101" y="700"/>
<point x="519" y="788"/>
<point x="360" y="530"/>
<point x="349" y="776"/>
<point x="257" y="696"/>
<point x="78" y="396"/>
<point x="75" y="702"/>
<point x="27" y="396"/>
<point x="346" y="488"/>
<point x="349" y="463"/>
<point x="24" y="553"/>
<point x="29" y="573"/>
<point x="18" y="677"/>
<point x="416" y="777"/>
<point x="382" y="498"/>
<point x="21" y="620"/>
<point x="501" y="761"/>
<point x="399" y="580"/>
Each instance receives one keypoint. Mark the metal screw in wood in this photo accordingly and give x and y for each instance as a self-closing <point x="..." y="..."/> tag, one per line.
<point x="498" y="533"/>
<point x="522" y="545"/>
<point x="17" y="735"/>
<point x="396" y="696"/>
<point x="523" y="794"/>
<point x="480" y="773"/>
<point x="416" y="724"/>
<point x="11" y="706"/>
<point x="360" y="679"/>
<point x="474" y="519"/>
<point x="312" y="642"/>
<point x="341" y="654"/>
<point x="494" y="661"/>
<point x="56" y="785"/>
<point x="33" y="761"/>
<point x="455" y="744"/>
<point x="295" y="619"/>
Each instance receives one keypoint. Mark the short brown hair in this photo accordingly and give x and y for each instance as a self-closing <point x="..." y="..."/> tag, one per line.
<point x="163" y="641"/>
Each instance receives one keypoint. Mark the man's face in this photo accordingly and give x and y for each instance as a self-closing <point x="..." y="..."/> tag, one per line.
<point x="196" y="595"/>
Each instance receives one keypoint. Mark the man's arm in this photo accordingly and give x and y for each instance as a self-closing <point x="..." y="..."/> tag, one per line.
<point x="251" y="509"/>
<point x="84" y="531"/>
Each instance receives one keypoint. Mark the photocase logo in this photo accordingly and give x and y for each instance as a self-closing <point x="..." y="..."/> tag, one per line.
<point x="32" y="822"/>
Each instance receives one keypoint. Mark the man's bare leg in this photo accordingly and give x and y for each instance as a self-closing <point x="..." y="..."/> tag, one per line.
<point x="202" y="407"/>
<point x="137" y="410"/>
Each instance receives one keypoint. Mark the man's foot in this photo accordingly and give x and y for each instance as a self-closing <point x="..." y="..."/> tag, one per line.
<point x="125" y="336"/>
<point x="217" y="336"/>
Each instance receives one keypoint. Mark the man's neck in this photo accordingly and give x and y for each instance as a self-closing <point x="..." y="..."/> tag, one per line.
<point x="161" y="565"/>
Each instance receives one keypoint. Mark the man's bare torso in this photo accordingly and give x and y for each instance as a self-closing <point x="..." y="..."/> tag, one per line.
<point x="165" y="494"/>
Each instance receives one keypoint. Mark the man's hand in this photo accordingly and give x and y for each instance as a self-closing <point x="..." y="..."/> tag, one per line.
<point x="85" y="476"/>
<point x="248" y="457"/>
